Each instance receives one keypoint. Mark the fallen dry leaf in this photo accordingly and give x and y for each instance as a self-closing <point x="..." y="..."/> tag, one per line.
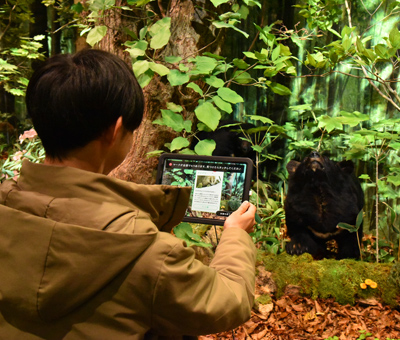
<point x="300" y="318"/>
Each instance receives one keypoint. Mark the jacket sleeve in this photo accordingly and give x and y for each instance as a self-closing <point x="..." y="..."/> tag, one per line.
<point x="192" y="299"/>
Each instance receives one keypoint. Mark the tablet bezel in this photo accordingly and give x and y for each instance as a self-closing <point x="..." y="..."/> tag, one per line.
<point x="242" y="160"/>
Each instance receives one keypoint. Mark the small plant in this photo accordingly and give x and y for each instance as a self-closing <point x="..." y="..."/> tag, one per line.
<point x="184" y="231"/>
<point x="29" y="147"/>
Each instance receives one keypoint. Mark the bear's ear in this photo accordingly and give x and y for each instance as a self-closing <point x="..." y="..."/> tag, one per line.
<point x="347" y="166"/>
<point x="292" y="166"/>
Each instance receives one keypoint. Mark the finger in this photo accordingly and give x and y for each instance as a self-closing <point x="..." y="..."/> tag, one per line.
<point x="251" y="210"/>
<point x="243" y="207"/>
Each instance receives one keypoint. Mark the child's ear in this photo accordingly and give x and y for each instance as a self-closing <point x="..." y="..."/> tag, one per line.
<point x="110" y="135"/>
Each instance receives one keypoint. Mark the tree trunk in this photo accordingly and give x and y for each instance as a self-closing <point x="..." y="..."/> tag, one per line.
<point x="137" y="167"/>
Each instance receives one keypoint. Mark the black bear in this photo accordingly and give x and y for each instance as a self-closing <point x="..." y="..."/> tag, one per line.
<point x="321" y="194"/>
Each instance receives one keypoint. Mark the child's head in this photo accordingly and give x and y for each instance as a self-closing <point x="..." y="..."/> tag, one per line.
<point x="73" y="99"/>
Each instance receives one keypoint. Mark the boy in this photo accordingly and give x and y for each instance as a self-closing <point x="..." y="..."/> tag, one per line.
<point x="87" y="256"/>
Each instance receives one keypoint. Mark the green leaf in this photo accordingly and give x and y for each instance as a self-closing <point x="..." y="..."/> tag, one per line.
<point x="216" y="3"/>
<point x="196" y="88"/>
<point x="184" y="231"/>
<point x="78" y="8"/>
<point x="137" y="48"/>
<point x="394" y="37"/>
<point x="160" y="33"/>
<point x="222" y="24"/>
<point x="204" y="65"/>
<point x="240" y="63"/>
<point x="329" y="123"/>
<point x="17" y="92"/>
<point x="176" y="78"/>
<point x="364" y="176"/>
<point x="145" y="78"/>
<point x="138" y="3"/>
<point x="187" y="151"/>
<point x="229" y="95"/>
<point x="135" y="52"/>
<point x="349" y="227"/>
<point x="208" y="114"/>
<point x="334" y="32"/>
<point x="262" y="119"/>
<point x="275" y="53"/>
<point x="395" y="180"/>
<point x="6" y="66"/>
<point x="360" y="46"/>
<point x="174" y="107"/>
<point x="369" y="54"/>
<point x="346" y="43"/>
<point x="280" y="89"/>
<point x="352" y="119"/>
<point x="173" y="120"/>
<point x="244" y="12"/>
<point x="215" y="56"/>
<point x="382" y="51"/>
<point x="96" y="34"/>
<point x="139" y="67"/>
<point x="184" y="68"/>
<point x="205" y="147"/>
<point x="222" y="104"/>
<point x="159" y="68"/>
<point x="99" y="5"/>
<point x="154" y="153"/>
<point x="359" y="219"/>
<point x="173" y="59"/>
<point x="242" y="77"/>
<point x="187" y="125"/>
<point x="23" y="81"/>
<point x="214" y="81"/>
<point x="257" y="148"/>
<point x="291" y="70"/>
<point x="250" y="55"/>
<point x="179" y="143"/>
<point x="143" y="32"/>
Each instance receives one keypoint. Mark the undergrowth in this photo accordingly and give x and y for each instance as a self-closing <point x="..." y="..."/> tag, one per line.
<point x="342" y="280"/>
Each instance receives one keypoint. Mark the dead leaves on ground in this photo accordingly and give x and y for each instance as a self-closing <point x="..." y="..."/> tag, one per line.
<point x="297" y="318"/>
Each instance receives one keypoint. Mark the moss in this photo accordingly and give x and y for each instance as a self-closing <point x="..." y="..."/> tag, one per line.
<point x="264" y="299"/>
<point x="332" y="278"/>
<point x="394" y="276"/>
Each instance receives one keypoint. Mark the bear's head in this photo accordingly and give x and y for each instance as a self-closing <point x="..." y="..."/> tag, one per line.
<point x="319" y="168"/>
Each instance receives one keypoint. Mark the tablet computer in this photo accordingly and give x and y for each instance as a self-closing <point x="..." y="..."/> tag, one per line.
<point x="219" y="184"/>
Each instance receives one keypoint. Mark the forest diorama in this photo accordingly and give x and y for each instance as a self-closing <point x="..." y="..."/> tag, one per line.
<point x="275" y="81"/>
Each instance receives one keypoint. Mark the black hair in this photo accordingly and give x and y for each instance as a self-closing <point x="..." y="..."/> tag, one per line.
<point x="73" y="99"/>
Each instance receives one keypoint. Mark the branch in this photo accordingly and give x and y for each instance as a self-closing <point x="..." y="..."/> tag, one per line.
<point x="348" y="13"/>
<point x="9" y="21"/>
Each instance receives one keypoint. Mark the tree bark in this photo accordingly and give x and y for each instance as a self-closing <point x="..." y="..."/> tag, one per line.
<point x="137" y="167"/>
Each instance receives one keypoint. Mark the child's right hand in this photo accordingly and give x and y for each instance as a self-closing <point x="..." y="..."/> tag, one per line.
<point x="243" y="217"/>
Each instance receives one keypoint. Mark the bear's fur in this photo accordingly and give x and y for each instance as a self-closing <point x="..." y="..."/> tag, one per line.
<point x="321" y="194"/>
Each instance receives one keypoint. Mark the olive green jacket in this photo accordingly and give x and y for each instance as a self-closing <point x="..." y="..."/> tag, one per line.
<point x="82" y="257"/>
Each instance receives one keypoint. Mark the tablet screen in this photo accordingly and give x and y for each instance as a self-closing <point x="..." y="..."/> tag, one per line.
<point x="219" y="184"/>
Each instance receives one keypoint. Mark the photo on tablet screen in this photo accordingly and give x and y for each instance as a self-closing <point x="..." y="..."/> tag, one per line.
<point x="219" y="184"/>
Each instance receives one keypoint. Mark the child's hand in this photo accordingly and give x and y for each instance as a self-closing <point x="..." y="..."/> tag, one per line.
<point x="243" y="217"/>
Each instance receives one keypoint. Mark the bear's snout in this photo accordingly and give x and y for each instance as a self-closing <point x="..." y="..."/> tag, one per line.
<point x="315" y="161"/>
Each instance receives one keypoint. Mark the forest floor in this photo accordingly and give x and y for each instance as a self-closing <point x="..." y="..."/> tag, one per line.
<point x="296" y="318"/>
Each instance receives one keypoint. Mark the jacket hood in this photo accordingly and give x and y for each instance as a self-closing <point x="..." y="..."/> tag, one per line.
<point x="66" y="233"/>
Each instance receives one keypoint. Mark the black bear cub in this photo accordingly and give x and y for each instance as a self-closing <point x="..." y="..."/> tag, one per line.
<point x="321" y="194"/>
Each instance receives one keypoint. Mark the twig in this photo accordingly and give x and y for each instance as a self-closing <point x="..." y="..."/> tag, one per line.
<point x="348" y="13"/>
<point x="9" y="21"/>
